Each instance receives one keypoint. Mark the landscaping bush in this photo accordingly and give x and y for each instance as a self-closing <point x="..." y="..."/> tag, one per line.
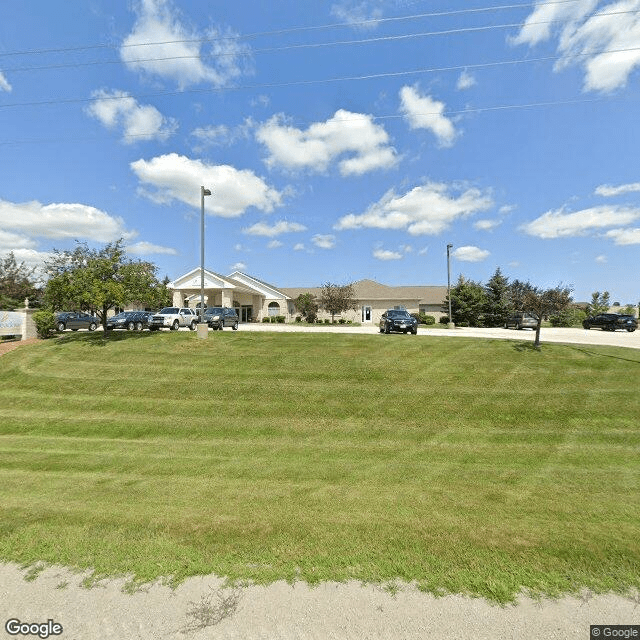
<point x="311" y="318"/>
<point x="423" y="318"/>
<point x="45" y="322"/>
<point x="444" y="320"/>
<point x="568" y="318"/>
<point x="280" y="319"/>
<point x="342" y="321"/>
<point x="267" y="319"/>
<point x="298" y="318"/>
<point x="327" y="321"/>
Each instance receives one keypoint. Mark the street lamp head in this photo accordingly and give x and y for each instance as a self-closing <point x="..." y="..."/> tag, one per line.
<point x="206" y="192"/>
<point x="449" y="246"/>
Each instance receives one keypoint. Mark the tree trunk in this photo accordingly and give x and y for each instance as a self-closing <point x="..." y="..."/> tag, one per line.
<point x="536" y="342"/>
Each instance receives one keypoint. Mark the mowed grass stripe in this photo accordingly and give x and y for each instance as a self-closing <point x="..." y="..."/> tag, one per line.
<point x="312" y="456"/>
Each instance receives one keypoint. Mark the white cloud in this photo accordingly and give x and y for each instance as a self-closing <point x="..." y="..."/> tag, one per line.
<point x="238" y="266"/>
<point x="608" y="190"/>
<point x="558" y="224"/>
<point x="465" y="81"/>
<point x="221" y="135"/>
<point x="345" y="134"/>
<point x="161" y="45"/>
<point x="487" y="225"/>
<point x="138" y="122"/>
<point x="298" y="247"/>
<point x="274" y="244"/>
<point x="4" y="83"/>
<point x="470" y="254"/>
<point x="583" y="32"/>
<point x="423" y="112"/>
<point x="385" y="254"/>
<point x="62" y="221"/>
<point x="280" y="227"/>
<point x="327" y="241"/>
<point x="177" y="177"/>
<point x="601" y="259"/>
<point x="624" y="236"/>
<point x="356" y="12"/>
<point x="147" y="248"/>
<point x="425" y="210"/>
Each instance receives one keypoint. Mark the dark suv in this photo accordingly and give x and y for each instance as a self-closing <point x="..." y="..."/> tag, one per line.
<point x="130" y="320"/>
<point x="398" y="320"/>
<point x="221" y="317"/>
<point x="611" y="322"/>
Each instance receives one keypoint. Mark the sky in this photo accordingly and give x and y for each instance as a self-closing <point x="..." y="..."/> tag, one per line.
<point x="340" y="140"/>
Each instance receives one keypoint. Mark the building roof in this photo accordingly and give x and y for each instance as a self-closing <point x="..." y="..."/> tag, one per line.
<point x="371" y="290"/>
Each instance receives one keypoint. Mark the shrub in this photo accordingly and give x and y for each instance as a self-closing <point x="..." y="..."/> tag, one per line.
<point x="280" y="319"/>
<point x="45" y="322"/>
<point x="267" y="319"/>
<point x="444" y="320"/>
<point x="568" y="318"/>
<point x="298" y="318"/>
<point x="429" y="320"/>
<point x="311" y="318"/>
<point x="342" y="321"/>
<point x="327" y="321"/>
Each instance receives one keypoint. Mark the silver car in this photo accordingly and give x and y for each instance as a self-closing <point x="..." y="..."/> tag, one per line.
<point x="522" y="320"/>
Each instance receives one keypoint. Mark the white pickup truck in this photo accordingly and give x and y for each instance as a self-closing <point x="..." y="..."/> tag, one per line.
<point x="173" y="318"/>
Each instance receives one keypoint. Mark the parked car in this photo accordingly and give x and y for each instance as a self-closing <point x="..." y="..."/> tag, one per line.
<point x="76" y="320"/>
<point x="221" y="317"/>
<point x="173" y="318"/>
<point x="522" y="320"/>
<point x="130" y="320"/>
<point x="398" y="320"/>
<point x="611" y="322"/>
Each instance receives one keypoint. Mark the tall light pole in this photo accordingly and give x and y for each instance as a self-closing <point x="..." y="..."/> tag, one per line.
<point x="449" y="247"/>
<point x="203" y="192"/>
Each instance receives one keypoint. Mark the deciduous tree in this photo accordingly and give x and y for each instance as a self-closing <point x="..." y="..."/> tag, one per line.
<point x="337" y="299"/>
<point x="100" y="279"/>
<point x="17" y="282"/>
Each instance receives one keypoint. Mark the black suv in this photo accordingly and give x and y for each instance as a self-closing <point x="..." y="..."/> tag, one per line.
<point x="398" y="320"/>
<point x="611" y="322"/>
<point x="74" y="321"/>
<point x="130" y="320"/>
<point x="221" y="317"/>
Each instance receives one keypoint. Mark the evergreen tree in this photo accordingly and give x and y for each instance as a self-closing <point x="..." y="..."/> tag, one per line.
<point x="498" y="306"/>
<point x="468" y="302"/>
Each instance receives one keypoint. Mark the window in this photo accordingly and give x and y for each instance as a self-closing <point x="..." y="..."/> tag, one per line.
<point x="274" y="309"/>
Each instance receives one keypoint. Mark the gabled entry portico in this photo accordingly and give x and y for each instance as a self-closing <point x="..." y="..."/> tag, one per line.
<point x="247" y="295"/>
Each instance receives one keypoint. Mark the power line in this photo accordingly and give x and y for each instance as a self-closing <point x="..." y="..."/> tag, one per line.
<point x="294" y="83"/>
<point x="316" y="45"/>
<point x="362" y="23"/>
<point x="450" y="112"/>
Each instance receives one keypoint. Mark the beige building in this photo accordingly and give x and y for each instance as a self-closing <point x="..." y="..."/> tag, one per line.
<point x="254" y="299"/>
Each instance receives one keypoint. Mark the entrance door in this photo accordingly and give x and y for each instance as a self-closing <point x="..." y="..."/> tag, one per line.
<point x="246" y="313"/>
<point x="366" y="314"/>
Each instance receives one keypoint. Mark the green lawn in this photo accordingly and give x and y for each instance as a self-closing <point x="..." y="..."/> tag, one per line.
<point x="475" y="466"/>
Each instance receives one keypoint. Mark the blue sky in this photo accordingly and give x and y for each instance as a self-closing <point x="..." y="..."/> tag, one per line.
<point x="341" y="140"/>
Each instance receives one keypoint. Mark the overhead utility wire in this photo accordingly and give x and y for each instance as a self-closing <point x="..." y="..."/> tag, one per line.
<point x="289" y="30"/>
<point x="294" y="83"/>
<point x="312" y="45"/>
<point x="468" y="110"/>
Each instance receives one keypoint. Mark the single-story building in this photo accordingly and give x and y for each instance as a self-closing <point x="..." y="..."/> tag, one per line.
<point x="254" y="299"/>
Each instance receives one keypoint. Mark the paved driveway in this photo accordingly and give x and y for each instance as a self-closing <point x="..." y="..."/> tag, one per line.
<point x="572" y="336"/>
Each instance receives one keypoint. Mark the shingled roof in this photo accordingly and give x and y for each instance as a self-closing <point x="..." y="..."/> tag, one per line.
<point x="372" y="290"/>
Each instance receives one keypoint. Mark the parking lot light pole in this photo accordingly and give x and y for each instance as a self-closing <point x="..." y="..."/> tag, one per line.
<point x="451" y="325"/>
<point x="203" y="192"/>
